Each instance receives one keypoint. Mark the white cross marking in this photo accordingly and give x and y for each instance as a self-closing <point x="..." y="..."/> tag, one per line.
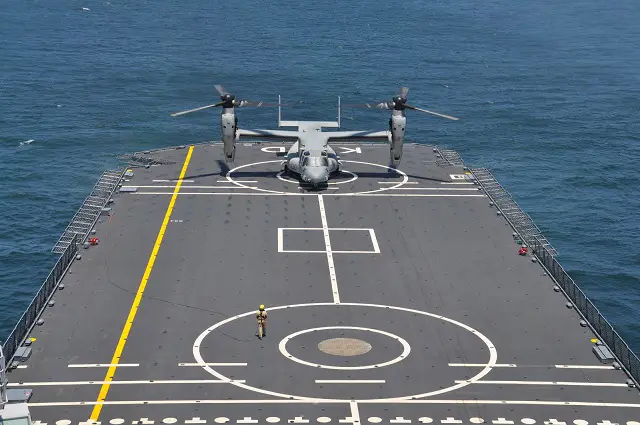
<point x="298" y="420"/>
<point x="450" y="420"/>
<point x="247" y="420"/>
<point x="502" y="421"/>
<point x="195" y="420"/>
<point x="554" y="422"/>
<point x="400" y="420"/>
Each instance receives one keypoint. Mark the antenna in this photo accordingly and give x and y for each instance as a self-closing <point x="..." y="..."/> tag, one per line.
<point x="338" y="111"/>
<point x="279" y="112"/>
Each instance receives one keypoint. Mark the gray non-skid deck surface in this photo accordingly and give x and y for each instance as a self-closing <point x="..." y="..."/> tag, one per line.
<point x="431" y="281"/>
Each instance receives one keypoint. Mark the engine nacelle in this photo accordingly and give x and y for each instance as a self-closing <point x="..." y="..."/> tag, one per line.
<point x="228" y="130"/>
<point x="397" y="124"/>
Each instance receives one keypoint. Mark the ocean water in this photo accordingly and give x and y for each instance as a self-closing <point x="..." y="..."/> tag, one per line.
<point x="548" y="93"/>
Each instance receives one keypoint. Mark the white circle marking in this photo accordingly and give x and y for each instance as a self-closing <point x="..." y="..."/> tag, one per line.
<point x="528" y="421"/>
<point x="221" y="420"/>
<point x="324" y="420"/>
<point x="405" y="178"/>
<point x="273" y="419"/>
<point x="116" y="421"/>
<point x="476" y="420"/>
<point x="493" y="353"/>
<point x="169" y="420"/>
<point x="425" y="420"/>
<point x="406" y="348"/>
<point x="375" y="420"/>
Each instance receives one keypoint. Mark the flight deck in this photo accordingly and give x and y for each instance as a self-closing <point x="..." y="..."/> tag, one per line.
<point x="394" y="296"/>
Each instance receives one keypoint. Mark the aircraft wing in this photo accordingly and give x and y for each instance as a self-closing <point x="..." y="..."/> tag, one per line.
<point x="276" y="135"/>
<point x="375" y="136"/>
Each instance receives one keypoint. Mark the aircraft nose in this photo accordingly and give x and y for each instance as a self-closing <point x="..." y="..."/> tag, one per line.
<point x="317" y="175"/>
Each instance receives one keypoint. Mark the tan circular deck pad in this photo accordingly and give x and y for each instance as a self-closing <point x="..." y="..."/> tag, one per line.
<point x="344" y="346"/>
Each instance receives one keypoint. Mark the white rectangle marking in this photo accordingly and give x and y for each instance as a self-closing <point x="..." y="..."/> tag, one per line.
<point x="374" y="241"/>
<point x="558" y="366"/>
<point x="327" y="244"/>
<point x="165" y="381"/>
<point x="211" y="364"/>
<point x="559" y="383"/>
<point x="350" y="381"/>
<point x="22" y="366"/>
<point x="172" y="181"/>
<point x="105" y="365"/>
<point x="280" y="239"/>
<point x="457" y="183"/>
<point x="238" y="181"/>
<point x="397" y="182"/>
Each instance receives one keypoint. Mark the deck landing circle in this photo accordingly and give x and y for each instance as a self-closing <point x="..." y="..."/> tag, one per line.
<point x="493" y="354"/>
<point x="406" y="348"/>
<point x="405" y="178"/>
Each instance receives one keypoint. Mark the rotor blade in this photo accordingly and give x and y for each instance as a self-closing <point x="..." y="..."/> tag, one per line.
<point x="196" y="109"/>
<point x="431" y="112"/>
<point x="221" y="90"/>
<point x="404" y="92"/>
<point x="257" y="104"/>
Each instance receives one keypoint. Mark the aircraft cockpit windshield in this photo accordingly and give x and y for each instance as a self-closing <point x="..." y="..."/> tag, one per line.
<point x="314" y="161"/>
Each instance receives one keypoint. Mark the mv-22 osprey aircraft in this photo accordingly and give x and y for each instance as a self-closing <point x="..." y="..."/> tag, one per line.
<point x="311" y="157"/>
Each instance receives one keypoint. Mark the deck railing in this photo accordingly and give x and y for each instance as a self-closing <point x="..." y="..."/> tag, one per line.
<point x="88" y="213"/>
<point x="545" y="253"/>
<point x="3" y="380"/>
<point x="627" y="358"/>
<point x="30" y="316"/>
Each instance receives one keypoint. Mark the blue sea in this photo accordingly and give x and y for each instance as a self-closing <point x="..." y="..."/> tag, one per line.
<point x="548" y="93"/>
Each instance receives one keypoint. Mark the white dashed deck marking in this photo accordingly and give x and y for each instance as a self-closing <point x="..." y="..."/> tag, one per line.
<point x="350" y="381"/>
<point x="211" y="364"/>
<point x="105" y="365"/>
<point x="561" y="383"/>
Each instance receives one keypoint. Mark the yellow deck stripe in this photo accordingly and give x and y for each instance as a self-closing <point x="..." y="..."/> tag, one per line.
<point x="104" y="390"/>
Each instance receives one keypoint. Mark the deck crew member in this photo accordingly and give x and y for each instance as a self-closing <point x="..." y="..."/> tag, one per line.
<point x="262" y="314"/>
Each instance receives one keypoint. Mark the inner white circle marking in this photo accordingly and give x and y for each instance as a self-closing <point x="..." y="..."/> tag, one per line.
<point x="354" y="177"/>
<point x="406" y="348"/>
<point x="405" y="178"/>
<point x="493" y="353"/>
